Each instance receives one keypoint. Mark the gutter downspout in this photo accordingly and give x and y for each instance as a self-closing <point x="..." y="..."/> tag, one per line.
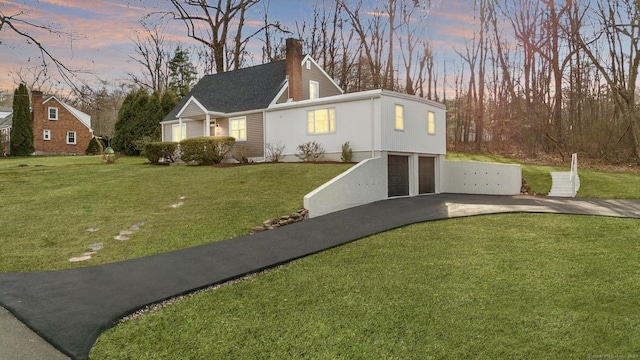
<point x="264" y="136"/>
<point x="373" y="135"/>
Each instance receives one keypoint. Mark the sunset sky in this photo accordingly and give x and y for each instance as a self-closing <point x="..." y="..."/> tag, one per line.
<point x="103" y="31"/>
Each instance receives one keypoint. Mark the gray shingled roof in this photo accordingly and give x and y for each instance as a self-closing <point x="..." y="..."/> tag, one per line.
<point x="239" y="90"/>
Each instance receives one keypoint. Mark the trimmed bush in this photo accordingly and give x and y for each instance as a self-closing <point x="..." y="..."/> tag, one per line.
<point x="274" y="151"/>
<point x="94" y="147"/>
<point x="310" y="151"/>
<point x="206" y="150"/>
<point x="154" y="151"/>
<point x="240" y="153"/>
<point x="347" y="152"/>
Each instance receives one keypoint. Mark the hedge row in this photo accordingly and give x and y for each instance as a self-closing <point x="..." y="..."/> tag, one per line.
<point x="206" y="150"/>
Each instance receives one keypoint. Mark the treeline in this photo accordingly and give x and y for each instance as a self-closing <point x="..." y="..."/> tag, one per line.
<point x="536" y="76"/>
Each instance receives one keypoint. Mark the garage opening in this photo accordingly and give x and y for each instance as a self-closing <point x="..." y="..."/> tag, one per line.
<point x="427" y="175"/>
<point x="398" y="175"/>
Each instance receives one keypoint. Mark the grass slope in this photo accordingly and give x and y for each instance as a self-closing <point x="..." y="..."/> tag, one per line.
<point x="490" y="287"/>
<point x="514" y="286"/>
<point x="47" y="209"/>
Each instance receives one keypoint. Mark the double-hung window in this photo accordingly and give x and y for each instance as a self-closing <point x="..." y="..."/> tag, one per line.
<point x="431" y="123"/>
<point x="399" y="117"/>
<point x="71" y="137"/>
<point x="46" y="134"/>
<point x="52" y="113"/>
<point x="238" y="128"/>
<point x="321" y="121"/>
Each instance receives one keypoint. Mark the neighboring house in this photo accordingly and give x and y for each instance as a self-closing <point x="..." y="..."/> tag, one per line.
<point x="6" y="115"/>
<point x="399" y="140"/>
<point x="58" y="128"/>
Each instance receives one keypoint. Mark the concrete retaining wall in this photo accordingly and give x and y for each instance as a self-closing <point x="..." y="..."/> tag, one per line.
<point x="469" y="177"/>
<point x="364" y="183"/>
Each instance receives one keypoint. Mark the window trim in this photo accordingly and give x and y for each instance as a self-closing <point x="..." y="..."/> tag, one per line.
<point x="238" y="120"/>
<point x="49" y="113"/>
<point x="46" y="134"/>
<point x="75" y="138"/>
<point x="431" y="123"/>
<point x="396" y="118"/>
<point x="331" y="118"/>
<point x="312" y="84"/>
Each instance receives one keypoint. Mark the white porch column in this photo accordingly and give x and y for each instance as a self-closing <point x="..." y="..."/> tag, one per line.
<point x="207" y="126"/>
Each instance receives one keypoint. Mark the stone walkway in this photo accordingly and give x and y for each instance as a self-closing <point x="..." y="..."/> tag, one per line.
<point x="71" y="308"/>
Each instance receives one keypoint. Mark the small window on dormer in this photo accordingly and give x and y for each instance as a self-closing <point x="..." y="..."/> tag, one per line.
<point x="307" y="64"/>
<point x="53" y="113"/>
<point x="314" y="89"/>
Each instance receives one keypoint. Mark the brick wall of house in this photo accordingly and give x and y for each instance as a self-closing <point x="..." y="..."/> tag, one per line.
<point x="58" y="128"/>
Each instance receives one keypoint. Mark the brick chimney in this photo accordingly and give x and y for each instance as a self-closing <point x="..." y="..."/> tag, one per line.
<point x="294" y="68"/>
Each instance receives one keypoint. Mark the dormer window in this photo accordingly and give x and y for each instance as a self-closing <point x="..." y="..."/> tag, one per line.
<point x="314" y="89"/>
<point x="53" y="113"/>
<point x="307" y="64"/>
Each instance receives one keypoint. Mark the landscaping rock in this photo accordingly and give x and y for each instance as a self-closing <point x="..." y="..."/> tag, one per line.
<point x="126" y="232"/>
<point x="93" y="229"/>
<point x="96" y="246"/>
<point x="121" y="238"/>
<point x="257" y="229"/>
<point x="281" y="221"/>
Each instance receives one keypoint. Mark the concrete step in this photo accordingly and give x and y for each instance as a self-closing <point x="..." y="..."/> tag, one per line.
<point x="562" y="185"/>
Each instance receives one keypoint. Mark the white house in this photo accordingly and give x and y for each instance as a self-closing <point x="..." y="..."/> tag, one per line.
<point x="399" y="140"/>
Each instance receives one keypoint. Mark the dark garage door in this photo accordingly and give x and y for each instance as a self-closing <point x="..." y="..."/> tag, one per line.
<point x="398" y="174"/>
<point x="427" y="174"/>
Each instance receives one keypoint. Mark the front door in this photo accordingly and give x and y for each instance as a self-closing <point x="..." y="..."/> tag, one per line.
<point x="398" y="175"/>
<point x="427" y="174"/>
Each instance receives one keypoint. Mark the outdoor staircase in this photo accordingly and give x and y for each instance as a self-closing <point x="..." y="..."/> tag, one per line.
<point x="566" y="183"/>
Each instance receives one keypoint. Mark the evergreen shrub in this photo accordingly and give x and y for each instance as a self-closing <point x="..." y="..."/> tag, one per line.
<point x="206" y="150"/>
<point x="154" y="151"/>
<point x="94" y="147"/>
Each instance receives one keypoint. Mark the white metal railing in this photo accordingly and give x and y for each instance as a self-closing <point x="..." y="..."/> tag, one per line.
<point x="573" y="175"/>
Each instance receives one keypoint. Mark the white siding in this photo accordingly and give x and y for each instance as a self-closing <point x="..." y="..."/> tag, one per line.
<point x="414" y="138"/>
<point x="366" y="122"/>
<point x="353" y="123"/>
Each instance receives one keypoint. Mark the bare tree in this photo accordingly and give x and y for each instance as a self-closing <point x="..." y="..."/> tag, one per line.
<point x="619" y="35"/>
<point x="16" y="23"/>
<point x="219" y="26"/>
<point x="151" y="52"/>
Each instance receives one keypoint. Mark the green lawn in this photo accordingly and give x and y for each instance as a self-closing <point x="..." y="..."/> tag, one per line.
<point x="499" y="286"/>
<point x="48" y="206"/>
<point x="489" y="287"/>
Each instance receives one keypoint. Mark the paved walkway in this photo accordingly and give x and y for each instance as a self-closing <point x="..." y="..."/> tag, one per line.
<point x="71" y="308"/>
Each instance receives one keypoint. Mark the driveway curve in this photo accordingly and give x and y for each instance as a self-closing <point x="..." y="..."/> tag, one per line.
<point x="71" y="308"/>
